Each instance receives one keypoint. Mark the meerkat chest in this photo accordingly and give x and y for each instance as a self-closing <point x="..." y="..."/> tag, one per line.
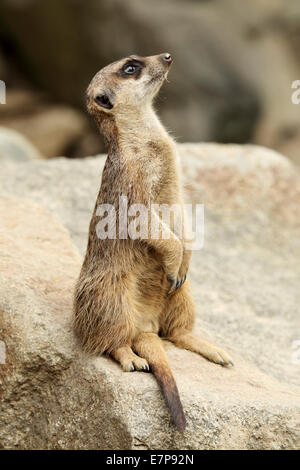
<point x="163" y="171"/>
<point x="167" y="188"/>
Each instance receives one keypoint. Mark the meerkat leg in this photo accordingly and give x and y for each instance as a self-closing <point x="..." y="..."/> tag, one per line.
<point x="129" y="360"/>
<point x="179" y="319"/>
<point x="190" y="342"/>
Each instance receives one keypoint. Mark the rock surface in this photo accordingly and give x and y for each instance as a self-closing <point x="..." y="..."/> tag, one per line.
<point x="246" y="285"/>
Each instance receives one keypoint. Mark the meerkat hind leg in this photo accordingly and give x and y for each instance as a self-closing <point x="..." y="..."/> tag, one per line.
<point x="129" y="360"/>
<point x="209" y="351"/>
<point x="178" y="323"/>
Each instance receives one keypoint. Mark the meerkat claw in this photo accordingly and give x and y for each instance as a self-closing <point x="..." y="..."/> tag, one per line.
<point x="173" y="284"/>
<point x="180" y="283"/>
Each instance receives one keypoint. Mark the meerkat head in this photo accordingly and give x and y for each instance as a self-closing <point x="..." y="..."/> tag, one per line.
<point x="127" y="85"/>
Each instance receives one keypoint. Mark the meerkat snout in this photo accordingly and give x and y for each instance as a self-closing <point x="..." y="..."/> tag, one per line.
<point x="167" y="58"/>
<point x="127" y="83"/>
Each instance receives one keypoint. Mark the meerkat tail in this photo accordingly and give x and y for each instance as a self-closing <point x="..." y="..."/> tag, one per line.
<point x="169" y="388"/>
<point x="149" y="346"/>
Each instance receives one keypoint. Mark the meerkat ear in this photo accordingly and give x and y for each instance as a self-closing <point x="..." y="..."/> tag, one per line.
<point x="105" y="100"/>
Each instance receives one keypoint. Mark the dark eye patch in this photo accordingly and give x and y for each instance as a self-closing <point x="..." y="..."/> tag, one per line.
<point x="132" y="68"/>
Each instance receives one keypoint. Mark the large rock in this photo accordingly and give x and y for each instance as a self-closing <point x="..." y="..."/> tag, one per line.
<point x="15" y="147"/>
<point x="55" y="130"/>
<point x="245" y="281"/>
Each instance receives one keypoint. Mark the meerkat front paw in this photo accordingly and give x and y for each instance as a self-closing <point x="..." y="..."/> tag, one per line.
<point x="138" y="363"/>
<point x="182" y="273"/>
<point x="178" y="280"/>
<point x="175" y="283"/>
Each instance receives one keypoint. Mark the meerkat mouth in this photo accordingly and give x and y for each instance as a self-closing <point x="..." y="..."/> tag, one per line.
<point x="158" y="78"/>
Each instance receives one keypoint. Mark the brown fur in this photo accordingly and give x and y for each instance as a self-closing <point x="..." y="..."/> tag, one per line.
<point x="123" y="299"/>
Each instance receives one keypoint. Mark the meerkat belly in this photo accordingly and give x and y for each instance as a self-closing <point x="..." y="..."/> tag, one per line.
<point x="149" y="294"/>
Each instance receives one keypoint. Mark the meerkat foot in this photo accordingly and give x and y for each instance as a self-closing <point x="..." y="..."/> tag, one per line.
<point x="129" y="360"/>
<point x="205" y="349"/>
<point x="139" y="363"/>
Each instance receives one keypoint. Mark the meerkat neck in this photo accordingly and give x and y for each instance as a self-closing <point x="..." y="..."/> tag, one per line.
<point x="132" y="129"/>
<point x="141" y="125"/>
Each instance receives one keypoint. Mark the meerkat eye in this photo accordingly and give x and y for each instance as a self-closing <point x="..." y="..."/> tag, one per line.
<point x="103" y="101"/>
<point x="130" y="69"/>
<point x="133" y="67"/>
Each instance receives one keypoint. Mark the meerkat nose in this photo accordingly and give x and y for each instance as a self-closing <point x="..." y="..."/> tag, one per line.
<point x="167" y="58"/>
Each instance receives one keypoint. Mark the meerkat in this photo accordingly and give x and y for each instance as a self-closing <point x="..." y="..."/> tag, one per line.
<point x="133" y="293"/>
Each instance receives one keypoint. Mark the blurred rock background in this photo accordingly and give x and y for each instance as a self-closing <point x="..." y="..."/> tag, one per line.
<point x="231" y="81"/>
